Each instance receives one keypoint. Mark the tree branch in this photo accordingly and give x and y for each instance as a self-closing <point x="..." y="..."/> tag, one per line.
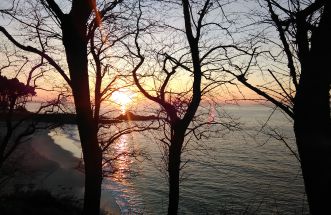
<point x="36" y="51"/>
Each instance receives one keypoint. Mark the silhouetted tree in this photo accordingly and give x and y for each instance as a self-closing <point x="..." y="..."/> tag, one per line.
<point x="110" y="78"/>
<point x="184" y="53"/>
<point x="12" y="94"/>
<point x="302" y="91"/>
<point x="18" y="123"/>
<point x="52" y="22"/>
<point x="11" y="91"/>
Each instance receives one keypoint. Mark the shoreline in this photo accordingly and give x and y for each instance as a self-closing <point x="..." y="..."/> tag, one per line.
<point x="43" y="164"/>
<point x="69" y="118"/>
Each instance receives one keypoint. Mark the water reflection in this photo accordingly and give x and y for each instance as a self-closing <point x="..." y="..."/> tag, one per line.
<point x="120" y="183"/>
<point x="123" y="162"/>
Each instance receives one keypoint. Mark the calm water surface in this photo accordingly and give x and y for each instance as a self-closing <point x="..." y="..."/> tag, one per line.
<point x="236" y="171"/>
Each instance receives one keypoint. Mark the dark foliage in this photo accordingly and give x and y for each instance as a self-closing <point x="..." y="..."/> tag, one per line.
<point x="38" y="202"/>
<point x="11" y="90"/>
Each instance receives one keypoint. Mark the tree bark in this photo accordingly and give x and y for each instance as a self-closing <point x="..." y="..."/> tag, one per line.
<point x="312" y="131"/>
<point x="179" y="126"/>
<point x="312" y="123"/>
<point x="175" y="151"/>
<point x="75" y="43"/>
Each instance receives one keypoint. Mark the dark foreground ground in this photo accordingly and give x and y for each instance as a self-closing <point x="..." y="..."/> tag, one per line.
<point x="37" y="202"/>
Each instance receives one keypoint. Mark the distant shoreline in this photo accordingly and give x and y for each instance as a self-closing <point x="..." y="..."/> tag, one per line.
<point x="69" y="118"/>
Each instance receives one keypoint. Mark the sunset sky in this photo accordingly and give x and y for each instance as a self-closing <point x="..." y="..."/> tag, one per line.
<point x="182" y="82"/>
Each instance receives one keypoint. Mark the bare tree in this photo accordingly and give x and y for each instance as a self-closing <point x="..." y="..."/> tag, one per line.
<point x="302" y="89"/>
<point x="107" y="49"/>
<point x="186" y="52"/>
<point x="51" y="23"/>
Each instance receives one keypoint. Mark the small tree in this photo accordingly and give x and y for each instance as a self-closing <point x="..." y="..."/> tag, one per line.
<point x="106" y="52"/>
<point x="13" y="95"/>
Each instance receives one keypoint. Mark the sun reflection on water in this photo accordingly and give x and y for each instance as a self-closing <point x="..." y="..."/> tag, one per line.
<point x="120" y="182"/>
<point x="123" y="162"/>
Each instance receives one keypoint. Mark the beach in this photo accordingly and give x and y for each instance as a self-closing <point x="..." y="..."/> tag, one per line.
<point x="41" y="164"/>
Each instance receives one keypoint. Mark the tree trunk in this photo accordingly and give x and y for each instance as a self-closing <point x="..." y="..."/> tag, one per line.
<point x="9" y="131"/>
<point x="174" y="169"/>
<point x="75" y="43"/>
<point x="312" y="124"/>
<point x="312" y="132"/>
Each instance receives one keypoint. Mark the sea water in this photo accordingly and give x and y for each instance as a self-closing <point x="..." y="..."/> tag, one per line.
<point x="241" y="171"/>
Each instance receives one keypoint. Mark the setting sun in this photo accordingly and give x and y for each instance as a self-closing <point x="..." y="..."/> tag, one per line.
<point x="122" y="98"/>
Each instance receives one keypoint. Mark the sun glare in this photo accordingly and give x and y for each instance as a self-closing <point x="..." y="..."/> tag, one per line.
<point x="123" y="98"/>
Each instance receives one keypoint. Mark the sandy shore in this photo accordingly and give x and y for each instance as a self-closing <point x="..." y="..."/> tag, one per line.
<point x="42" y="164"/>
